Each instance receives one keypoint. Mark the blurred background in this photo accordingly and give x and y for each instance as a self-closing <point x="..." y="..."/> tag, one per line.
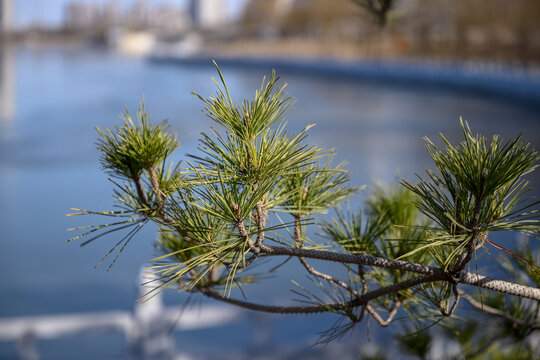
<point x="484" y="30"/>
<point x="375" y="76"/>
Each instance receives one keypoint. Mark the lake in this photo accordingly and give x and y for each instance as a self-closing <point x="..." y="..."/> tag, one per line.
<point x="54" y="99"/>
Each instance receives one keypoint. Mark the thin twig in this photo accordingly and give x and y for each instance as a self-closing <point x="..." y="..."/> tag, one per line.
<point x="391" y="315"/>
<point x="493" y="311"/>
<point x="328" y="277"/>
<point x="453" y="308"/>
<point x="298" y="240"/>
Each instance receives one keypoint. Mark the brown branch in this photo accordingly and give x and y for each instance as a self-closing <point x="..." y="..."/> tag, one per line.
<point x="499" y="285"/>
<point x="463" y="277"/>
<point x="254" y="249"/>
<point x="260" y="218"/>
<point x="327" y="277"/>
<point x="265" y="308"/>
<point x="473" y="225"/>
<point x="313" y="271"/>
<point x="242" y="265"/>
<point x="391" y="315"/>
<point x="155" y="185"/>
<point x="262" y="215"/>
<point x="460" y="277"/>
<point x="347" y="258"/>
<point x="140" y="191"/>
<point x="309" y="309"/>
<point x="493" y="311"/>
<point x="299" y="243"/>
<point x="244" y="233"/>
<point x="298" y="231"/>
<point x="453" y="308"/>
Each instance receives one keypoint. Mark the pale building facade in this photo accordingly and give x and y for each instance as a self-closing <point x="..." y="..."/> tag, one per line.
<point x="6" y="15"/>
<point x="208" y="14"/>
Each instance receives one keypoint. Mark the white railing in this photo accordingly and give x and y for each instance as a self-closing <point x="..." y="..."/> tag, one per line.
<point x="146" y="329"/>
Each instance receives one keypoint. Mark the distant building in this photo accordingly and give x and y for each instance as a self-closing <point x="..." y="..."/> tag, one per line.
<point x="208" y="14"/>
<point x="7" y="88"/>
<point x="170" y="18"/>
<point x="112" y="12"/>
<point x="80" y="16"/>
<point x="139" y="15"/>
<point x="6" y="15"/>
<point x="75" y="16"/>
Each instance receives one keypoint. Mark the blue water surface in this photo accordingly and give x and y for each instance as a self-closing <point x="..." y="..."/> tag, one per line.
<point x="49" y="164"/>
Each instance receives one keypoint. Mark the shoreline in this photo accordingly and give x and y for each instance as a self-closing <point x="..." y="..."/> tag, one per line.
<point x="510" y="83"/>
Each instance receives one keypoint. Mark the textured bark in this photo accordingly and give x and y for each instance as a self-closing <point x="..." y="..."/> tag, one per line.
<point x="502" y="286"/>
<point x="155" y="185"/>
<point x="351" y="259"/>
<point x="460" y="277"/>
<point x="361" y="300"/>
<point x="140" y="190"/>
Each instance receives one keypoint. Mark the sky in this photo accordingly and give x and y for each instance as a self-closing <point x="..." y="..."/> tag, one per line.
<point x="51" y="12"/>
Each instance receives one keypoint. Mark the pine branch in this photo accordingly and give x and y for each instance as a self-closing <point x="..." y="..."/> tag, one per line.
<point x="213" y="216"/>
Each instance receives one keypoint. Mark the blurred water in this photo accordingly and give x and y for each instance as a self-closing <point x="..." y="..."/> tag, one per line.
<point x="48" y="163"/>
